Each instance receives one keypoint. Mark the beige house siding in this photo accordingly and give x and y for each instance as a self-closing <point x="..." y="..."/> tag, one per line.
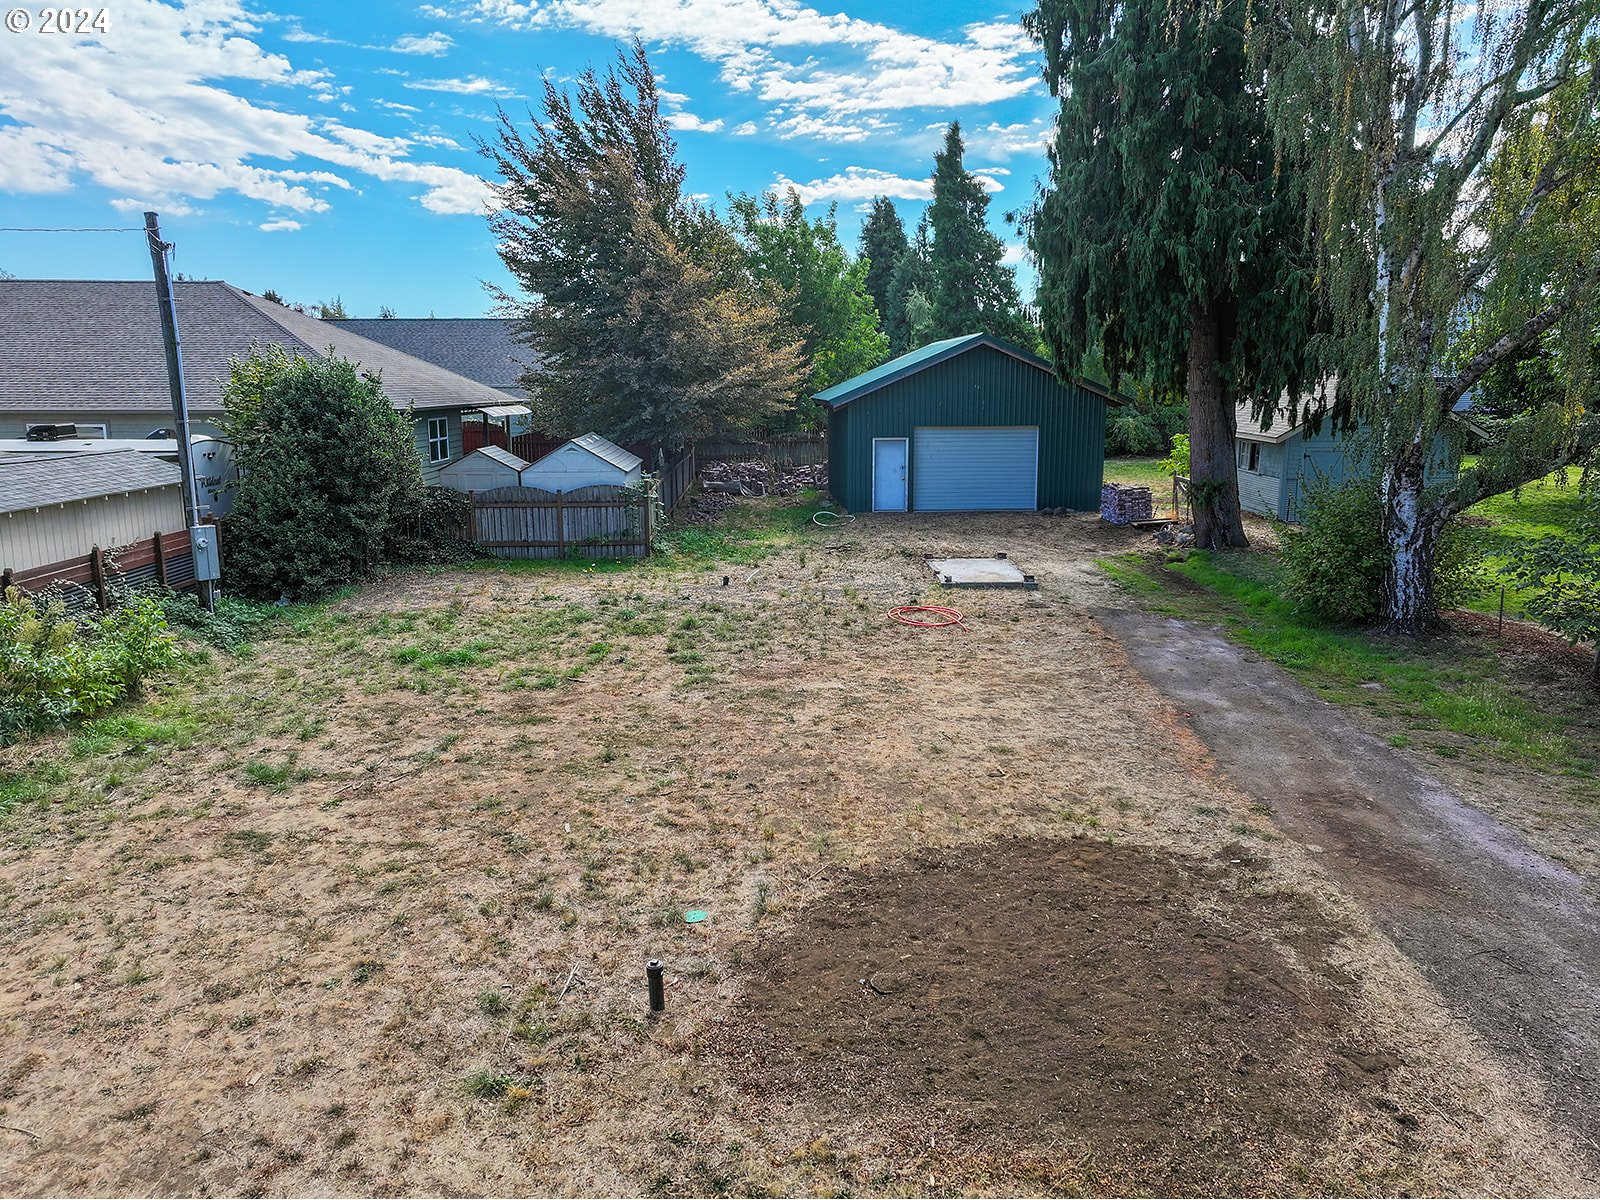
<point x="118" y="425"/>
<point x="39" y="537"/>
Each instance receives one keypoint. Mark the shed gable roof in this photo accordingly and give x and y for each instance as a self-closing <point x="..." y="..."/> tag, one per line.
<point x="38" y="482"/>
<point x="504" y="457"/>
<point x="94" y="345"/>
<point x="931" y="355"/>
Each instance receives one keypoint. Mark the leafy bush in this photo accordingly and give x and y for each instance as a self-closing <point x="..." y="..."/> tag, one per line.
<point x="330" y="482"/>
<point x="1143" y="431"/>
<point x="53" y="669"/>
<point x="1177" y="460"/>
<point x="440" y="534"/>
<point x="1336" y="561"/>
<point x="1562" y="574"/>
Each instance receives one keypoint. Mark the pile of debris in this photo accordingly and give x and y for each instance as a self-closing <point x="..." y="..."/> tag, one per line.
<point x="758" y="478"/>
<point x="1123" y="504"/>
<point x="704" y="508"/>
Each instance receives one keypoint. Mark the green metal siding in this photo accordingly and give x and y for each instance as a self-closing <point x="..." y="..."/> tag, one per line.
<point x="979" y="387"/>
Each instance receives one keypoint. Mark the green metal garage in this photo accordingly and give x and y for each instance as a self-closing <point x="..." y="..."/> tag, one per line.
<point x="969" y="424"/>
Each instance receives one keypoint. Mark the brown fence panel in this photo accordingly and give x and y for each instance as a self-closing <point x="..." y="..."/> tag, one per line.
<point x="591" y="522"/>
<point x="95" y="581"/>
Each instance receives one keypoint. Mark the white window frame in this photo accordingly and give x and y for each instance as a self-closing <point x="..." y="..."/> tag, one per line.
<point x="438" y="439"/>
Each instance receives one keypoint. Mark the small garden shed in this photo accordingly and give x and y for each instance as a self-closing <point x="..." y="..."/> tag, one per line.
<point x="967" y="424"/>
<point x="485" y="468"/>
<point x="585" y="462"/>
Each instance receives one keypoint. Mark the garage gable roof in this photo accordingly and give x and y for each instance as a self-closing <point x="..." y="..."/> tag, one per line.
<point x="47" y="479"/>
<point x="931" y="355"/>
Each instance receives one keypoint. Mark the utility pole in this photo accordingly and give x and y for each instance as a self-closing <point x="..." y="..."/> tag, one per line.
<point x="202" y="538"/>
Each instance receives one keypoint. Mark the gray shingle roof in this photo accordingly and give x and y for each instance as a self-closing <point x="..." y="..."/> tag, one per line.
<point x="481" y="348"/>
<point x="95" y="345"/>
<point x="40" y="480"/>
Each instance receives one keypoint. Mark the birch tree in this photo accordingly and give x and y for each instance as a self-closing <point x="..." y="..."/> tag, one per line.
<point x="1451" y="153"/>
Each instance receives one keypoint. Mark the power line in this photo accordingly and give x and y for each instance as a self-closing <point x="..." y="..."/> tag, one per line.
<point x="107" y="229"/>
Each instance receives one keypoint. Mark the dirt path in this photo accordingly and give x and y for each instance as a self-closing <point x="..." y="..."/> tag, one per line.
<point x="1508" y="938"/>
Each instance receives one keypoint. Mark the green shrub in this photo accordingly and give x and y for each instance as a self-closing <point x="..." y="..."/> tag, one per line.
<point x="53" y="669"/>
<point x="1336" y="560"/>
<point x="1177" y="460"/>
<point x="440" y="536"/>
<point x="330" y="482"/>
<point x="235" y="623"/>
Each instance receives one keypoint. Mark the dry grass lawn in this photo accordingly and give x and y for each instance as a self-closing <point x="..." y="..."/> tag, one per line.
<point x="366" y="909"/>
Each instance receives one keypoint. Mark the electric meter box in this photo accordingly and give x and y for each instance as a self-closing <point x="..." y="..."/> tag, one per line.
<point x="207" y="553"/>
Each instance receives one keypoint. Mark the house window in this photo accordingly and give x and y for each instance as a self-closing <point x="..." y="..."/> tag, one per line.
<point x="438" y="439"/>
<point x="1254" y="463"/>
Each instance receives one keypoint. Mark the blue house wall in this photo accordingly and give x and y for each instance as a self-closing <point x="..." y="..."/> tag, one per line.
<point x="1277" y="484"/>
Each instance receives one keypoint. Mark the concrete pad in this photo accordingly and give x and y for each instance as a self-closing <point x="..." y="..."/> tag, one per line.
<point x="980" y="572"/>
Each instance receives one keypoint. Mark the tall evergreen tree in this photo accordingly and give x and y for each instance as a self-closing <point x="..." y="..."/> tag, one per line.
<point x="646" y="329"/>
<point x="1165" y="234"/>
<point x="883" y="242"/>
<point x="908" y="319"/>
<point x="820" y="291"/>
<point x="973" y="291"/>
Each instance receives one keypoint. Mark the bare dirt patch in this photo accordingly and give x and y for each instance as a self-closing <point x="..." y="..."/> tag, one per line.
<point x="1188" y="1036"/>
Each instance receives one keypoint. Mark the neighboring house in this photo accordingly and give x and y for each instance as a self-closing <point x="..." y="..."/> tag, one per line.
<point x="967" y="424"/>
<point x="89" y="352"/>
<point x="57" y="508"/>
<point x="482" y="349"/>
<point x="1279" y="461"/>
<point x="586" y="461"/>
<point x="483" y="470"/>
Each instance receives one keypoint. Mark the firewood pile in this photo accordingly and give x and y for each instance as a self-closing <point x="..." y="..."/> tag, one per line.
<point x="757" y="478"/>
<point x="1123" y="504"/>
<point x="704" y="508"/>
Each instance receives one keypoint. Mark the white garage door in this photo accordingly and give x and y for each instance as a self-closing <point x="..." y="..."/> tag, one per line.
<point x="975" y="468"/>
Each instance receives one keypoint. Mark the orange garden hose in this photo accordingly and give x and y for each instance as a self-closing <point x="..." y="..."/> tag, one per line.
<point x="902" y="613"/>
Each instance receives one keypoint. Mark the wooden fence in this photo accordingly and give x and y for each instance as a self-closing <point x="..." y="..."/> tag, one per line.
<point x="591" y="522"/>
<point x="797" y="450"/>
<point x="95" y="580"/>
<point x="674" y="480"/>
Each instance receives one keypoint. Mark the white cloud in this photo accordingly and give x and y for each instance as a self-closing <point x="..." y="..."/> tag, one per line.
<point x="767" y="47"/>
<point x="471" y="85"/>
<point x="858" y="183"/>
<point x="435" y="43"/>
<point x="830" y="128"/>
<point x="864" y="183"/>
<point x="995" y="140"/>
<point x="144" y="112"/>
<point x="745" y="128"/>
<point x="281" y="225"/>
<point x="1016" y="254"/>
<point x="688" y="121"/>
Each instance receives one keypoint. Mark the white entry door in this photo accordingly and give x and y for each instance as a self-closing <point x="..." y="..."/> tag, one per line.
<point x="889" y="456"/>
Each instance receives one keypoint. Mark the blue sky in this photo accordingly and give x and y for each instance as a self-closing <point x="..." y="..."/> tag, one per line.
<point x="327" y="150"/>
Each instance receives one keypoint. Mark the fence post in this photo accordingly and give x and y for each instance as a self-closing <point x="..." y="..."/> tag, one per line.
<point x="97" y="571"/>
<point x="472" y="517"/>
<point x="648" y="509"/>
<point x="561" y="525"/>
<point x="161" y="558"/>
<point x="5" y="582"/>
